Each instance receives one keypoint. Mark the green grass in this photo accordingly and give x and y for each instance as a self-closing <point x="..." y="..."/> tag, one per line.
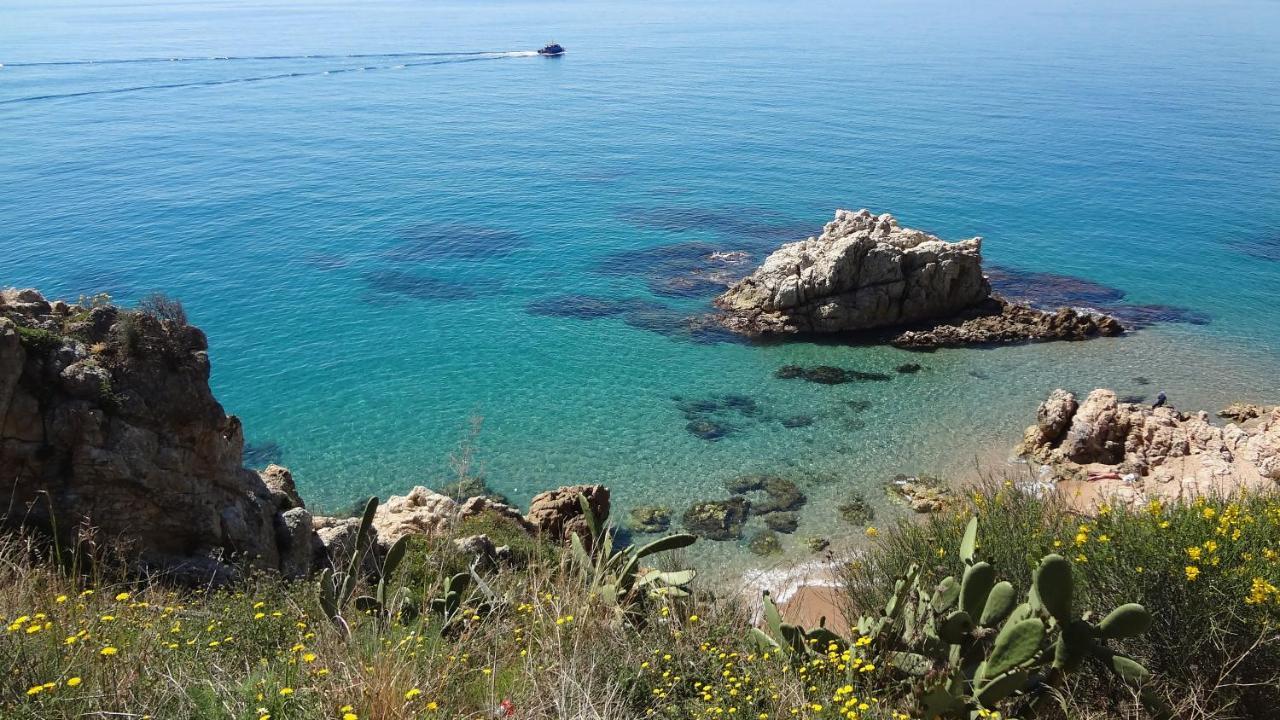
<point x="554" y="650"/>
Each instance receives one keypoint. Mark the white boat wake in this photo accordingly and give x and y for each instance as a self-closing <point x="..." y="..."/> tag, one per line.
<point x="437" y="59"/>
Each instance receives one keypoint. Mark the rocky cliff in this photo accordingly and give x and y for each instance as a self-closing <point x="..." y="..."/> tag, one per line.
<point x="109" y="423"/>
<point x="1106" y="449"/>
<point x="108" y="428"/>
<point x="865" y="272"/>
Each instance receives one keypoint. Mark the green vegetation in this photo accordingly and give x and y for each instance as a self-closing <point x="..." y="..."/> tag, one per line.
<point x="1026" y="610"/>
<point x="38" y="340"/>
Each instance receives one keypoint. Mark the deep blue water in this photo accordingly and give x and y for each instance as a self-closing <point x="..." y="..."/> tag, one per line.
<point x="370" y="241"/>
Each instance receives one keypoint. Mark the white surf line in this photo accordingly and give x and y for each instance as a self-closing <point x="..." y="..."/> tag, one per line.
<point x="262" y="78"/>
<point x="240" y="58"/>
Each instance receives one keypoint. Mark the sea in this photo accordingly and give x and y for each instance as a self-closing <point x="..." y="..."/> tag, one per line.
<point x="415" y="244"/>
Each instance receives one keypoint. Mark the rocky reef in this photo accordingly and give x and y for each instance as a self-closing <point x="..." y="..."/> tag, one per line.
<point x="865" y="273"/>
<point x="110" y="432"/>
<point x="1105" y="449"/>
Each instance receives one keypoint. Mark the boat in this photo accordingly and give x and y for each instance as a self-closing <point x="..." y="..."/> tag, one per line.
<point x="552" y="50"/>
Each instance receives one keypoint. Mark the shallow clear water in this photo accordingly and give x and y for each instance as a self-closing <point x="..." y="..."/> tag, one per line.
<point x="362" y="237"/>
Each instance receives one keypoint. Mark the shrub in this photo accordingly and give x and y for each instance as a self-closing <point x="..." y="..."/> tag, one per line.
<point x="1208" y="572"/>
<point x="38" y="340"/>
<point x="163" y="308"/>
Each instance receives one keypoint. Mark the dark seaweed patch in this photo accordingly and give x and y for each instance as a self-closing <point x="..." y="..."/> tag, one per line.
<point x="735" y="222"/>
<point x="1140" y="316"/>
<point x="1051" y="291"/>
<point x="693" y="269"/>
<point x="455" y="241"/>
<point x="638" y="313"/>
<point x="424" y="287"/>
<point x="587" y="307"/>
<point x="261" y="454"/>
<point x="828" y="375"/>
<point x="1260" y="246"/>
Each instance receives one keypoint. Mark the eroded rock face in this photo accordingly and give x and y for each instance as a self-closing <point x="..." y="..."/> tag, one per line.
<point x="425" y="512"/>
<point x="558" y="513"/>
<point x="1133" y="452"/>
<point x="862" y="272"/>
<point x="107" y="420"/>
<point x="997" y="321"/>
<point x="865" y="273"/>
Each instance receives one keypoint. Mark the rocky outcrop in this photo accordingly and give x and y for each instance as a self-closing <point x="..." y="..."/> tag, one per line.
<point x="1103" y="448"/>
<point x="108" y="423"/>
<point x="558" y="513"/>
<point x="997" y="321"/>
<point x="864" y="272"/>
<point x="1244" y="412"/>
<point x="425" y="512"/>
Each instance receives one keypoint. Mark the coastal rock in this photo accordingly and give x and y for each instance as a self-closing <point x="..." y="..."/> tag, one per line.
<point x="279" y="482"/>
<point x="298" y="542"/>
<point x="923" y="494"/>
<point x="649" y="519"/>
<point x="1134" y="452"/>
<point x="130" y="440"/>
<point x="1243" y="412"/>
<point x="717" y="519"/>
<point x="764" y="543"/>
<point x="862" y="272"/>
<point x="558" y="513"/>
<point x="997" y="321"/>
<point x="421" y="512"/>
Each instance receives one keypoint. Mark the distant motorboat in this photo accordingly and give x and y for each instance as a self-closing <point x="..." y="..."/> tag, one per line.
<point x="552" y="50"/>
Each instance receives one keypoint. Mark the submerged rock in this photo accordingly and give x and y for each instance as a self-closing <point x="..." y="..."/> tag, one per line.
<point x="707" y="429"/>
<point x="783" y="522"/>
<point x="797" y="421"/>
<point x="817" y="544"/>
<point x="909" y="368"/>
<point x="923" y="494"/>
<point x="765" y="542"/>
<point x="649" y="518"/>
<point x="717" y="519"/>
<point x="857" y="511"/>
<point x="827" y="374"/>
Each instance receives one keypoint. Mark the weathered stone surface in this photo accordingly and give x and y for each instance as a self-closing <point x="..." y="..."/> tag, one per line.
<point x="1243" y="412"/>
<point x="558" y="513"/>
<point x="420" y="512"/>
<point x="279" y="482"/>
<point x="997" y="321"/>
<point x="862" y="272"/>
<point x="129" y="440"/>
<point x="923" y="494"/>
<point x="297" y="540"/>
<point x="1134" y="452"/>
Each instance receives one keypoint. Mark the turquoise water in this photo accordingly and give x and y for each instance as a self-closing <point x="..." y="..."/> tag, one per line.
<point x="364" y="238"/>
